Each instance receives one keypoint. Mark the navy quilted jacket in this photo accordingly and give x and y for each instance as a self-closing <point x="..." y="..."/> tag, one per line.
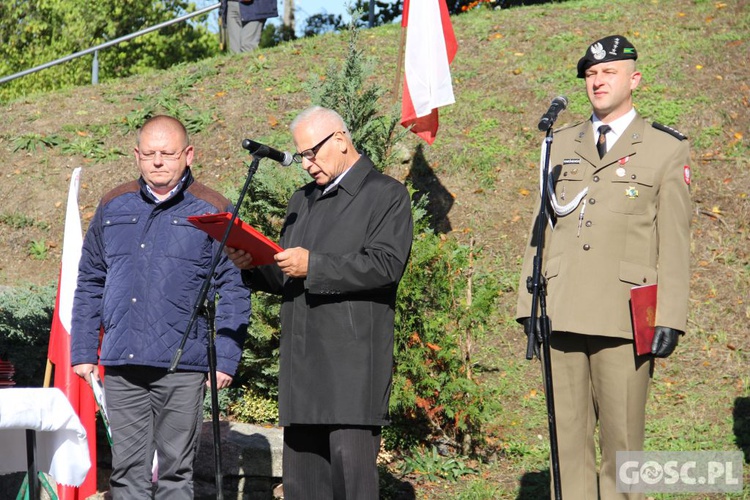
<point x="141" y="269"/>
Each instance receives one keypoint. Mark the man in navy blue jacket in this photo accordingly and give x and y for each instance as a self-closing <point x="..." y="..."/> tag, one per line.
<point x="141" y="268"/>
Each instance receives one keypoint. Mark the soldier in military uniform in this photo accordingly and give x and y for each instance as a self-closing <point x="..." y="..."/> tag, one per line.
<point x="619" y="217"/>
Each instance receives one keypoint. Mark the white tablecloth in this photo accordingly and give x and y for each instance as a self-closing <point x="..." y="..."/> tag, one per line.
<point x="61" y="445"/>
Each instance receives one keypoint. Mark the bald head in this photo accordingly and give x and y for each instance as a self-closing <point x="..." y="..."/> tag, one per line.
<point x="165" y="124"/>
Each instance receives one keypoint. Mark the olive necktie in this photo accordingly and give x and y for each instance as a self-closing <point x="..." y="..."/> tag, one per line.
<point x="601" y="143"/>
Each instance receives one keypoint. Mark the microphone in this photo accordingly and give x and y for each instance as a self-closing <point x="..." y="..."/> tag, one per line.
<point x="263" y="151"/>
<point x="558" y="104"/>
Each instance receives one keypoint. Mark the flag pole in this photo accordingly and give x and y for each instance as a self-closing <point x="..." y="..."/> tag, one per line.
<point x="47" y="374"/>
<point x="399" y="64"/>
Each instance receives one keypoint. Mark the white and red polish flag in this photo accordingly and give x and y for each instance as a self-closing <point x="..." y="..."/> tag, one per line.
<point x="75" y="388"/>
<point x="430" y="48"/>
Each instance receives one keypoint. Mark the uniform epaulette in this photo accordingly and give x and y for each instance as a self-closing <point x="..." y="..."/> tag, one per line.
<point x="566" y="126"/>
<point x="669" y="130"/>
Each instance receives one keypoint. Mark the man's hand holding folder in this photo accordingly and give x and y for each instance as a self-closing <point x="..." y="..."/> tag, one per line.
<point x="242" y="236"/>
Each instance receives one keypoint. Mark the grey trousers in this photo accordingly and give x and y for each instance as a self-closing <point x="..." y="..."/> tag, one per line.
<point x="151" y="410"/>
<point x="243" y="37"/>
<point x="336" y="462"/>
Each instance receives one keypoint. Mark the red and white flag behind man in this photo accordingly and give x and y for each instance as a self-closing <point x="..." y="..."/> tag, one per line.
<point x="430" y="48"/>
<point x="75" y="388"/>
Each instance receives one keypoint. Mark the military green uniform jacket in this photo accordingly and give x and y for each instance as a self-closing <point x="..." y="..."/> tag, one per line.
<point x="634" y="231"/>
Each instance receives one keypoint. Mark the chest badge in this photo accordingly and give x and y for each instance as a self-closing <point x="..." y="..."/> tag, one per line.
<point x="620" y="172"/>
<point x="631" y="192"/>
<point x="623" y="160"/>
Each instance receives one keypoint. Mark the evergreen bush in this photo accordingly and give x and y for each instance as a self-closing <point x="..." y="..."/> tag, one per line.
<point x="25" y="320"/>
<point x="442" y="309"/>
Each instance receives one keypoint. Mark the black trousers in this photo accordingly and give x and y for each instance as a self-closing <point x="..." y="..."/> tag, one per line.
<point x="338" y="462"/>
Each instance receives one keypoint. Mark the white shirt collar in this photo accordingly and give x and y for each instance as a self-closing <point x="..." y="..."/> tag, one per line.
<point x="336" y="180"/>
<point x="617" y="126"/>
<point x="172" y="192"/>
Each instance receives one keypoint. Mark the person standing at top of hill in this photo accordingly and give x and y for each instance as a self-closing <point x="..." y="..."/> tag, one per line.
<point x="141" y="269"/>
<point x="620" y="214"/>
<point x="244" y="21"/>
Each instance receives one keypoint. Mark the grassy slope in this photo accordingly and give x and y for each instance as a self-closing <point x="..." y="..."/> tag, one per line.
<point x="694" y="56"/>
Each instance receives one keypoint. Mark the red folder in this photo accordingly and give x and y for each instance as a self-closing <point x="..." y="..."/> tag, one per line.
<point x="643" y="309"/>
<point x="242" y="236"/>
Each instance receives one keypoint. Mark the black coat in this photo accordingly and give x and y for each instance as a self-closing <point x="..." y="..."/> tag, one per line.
<point x="336" y="356"/>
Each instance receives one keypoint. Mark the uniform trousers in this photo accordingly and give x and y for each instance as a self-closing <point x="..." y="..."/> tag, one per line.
<point x="150" y="409"/>
<point x="243" y="36"/>
<point x="336" y="462"/>
<point x="597" y="378"/>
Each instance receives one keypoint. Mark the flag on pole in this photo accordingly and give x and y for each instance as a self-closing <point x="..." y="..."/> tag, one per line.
<point x="75" y="388"/>
<point x="430" y="48"/>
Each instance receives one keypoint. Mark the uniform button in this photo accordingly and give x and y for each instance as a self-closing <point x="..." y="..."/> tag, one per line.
<point x="596" y="178"/>
<point x="588" y="223"/>
<point x="133" y="300"/>
<point x="565" y="174"/>
<point x="645" y="280"/>
<point x="586" y="247"/>
<point x="143" y="245"/>
<point x="592" y="201"/>
<point x="130" y="356"/>
<point x="633" y="176"/>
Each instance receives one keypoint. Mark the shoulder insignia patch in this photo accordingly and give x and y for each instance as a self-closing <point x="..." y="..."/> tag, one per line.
<point x="674" y="133"/>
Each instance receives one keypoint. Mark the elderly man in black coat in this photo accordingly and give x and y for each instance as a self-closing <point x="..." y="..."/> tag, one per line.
<point x="347" y="237"/>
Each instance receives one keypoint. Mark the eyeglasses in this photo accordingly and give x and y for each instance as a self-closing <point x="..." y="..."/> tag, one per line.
<point x="310" y="153"/>
<point x="164" y="155"/>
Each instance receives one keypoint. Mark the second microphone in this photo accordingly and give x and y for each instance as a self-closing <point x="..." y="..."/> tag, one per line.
<point x="262" y="151"/>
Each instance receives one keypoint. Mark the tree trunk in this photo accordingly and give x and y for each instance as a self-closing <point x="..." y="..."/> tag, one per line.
<point x="289" y="15"/>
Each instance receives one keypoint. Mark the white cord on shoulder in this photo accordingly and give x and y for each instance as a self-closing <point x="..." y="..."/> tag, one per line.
<point x="560" y="210"/>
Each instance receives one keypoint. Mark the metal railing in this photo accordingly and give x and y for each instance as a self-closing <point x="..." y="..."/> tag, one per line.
<point x="97" y="48"/>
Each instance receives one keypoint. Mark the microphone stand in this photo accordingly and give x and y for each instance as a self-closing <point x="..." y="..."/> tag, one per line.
<point x="203" y="304"/>
<point x="540" y="326"/>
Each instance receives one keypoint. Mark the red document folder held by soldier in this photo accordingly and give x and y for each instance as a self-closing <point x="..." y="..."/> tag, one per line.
<point x="241" y="236"/>
<point x="643" y="309"/>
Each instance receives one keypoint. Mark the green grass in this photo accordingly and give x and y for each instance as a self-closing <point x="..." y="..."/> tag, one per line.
<point x="17" y="220"/>
<point x="38" y="249"/>
<point x="32" y="142"/>
<point x="510" y="64"/>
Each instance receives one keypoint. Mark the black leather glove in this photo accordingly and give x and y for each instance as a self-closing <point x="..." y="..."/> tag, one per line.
<point x="527" y="330"/>
<point x="665" y="340"/>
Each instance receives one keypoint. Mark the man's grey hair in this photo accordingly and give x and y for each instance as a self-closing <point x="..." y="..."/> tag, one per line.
<point x="319" y="113"/>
